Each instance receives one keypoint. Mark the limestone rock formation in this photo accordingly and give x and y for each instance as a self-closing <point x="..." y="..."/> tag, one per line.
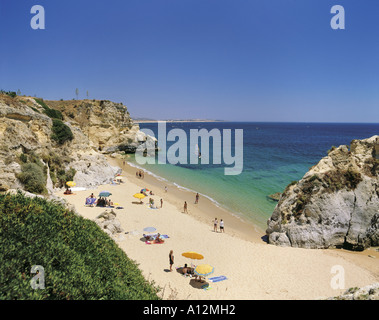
<point x="335" y="204"/>
<point x="106" y="124"/>
<point x="108" y="222"/>
<point x="370" y="292"/>
<point x="98" y="127"/>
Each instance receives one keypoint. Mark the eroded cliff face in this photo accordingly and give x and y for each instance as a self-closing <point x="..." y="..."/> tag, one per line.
<point x="106" y="124"/>
<point x="98" y="127"/>
<point x="335" y="204"/>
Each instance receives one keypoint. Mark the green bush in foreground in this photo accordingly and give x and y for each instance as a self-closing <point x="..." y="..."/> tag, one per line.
<point x="33" y="178"/>
<point x="80" y="261"/>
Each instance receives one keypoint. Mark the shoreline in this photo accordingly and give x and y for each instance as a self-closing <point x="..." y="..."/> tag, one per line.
<point x="205" y="211"/>
<point x="236" y="226"/>
<point x="254" y="269"/>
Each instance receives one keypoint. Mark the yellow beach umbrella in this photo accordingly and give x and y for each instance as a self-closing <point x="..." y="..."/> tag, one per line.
<point x="71" y="183"/>
<point x="139" y="196"/>
<point x="204" y="270"/>
<point x="193" y="255"/>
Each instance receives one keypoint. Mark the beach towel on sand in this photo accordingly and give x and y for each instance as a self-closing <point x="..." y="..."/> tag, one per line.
<point x="90" y="201"/>
<point x="154" y="242"/>
<point x="217" y="279"/>
<point x="206" y="287"/>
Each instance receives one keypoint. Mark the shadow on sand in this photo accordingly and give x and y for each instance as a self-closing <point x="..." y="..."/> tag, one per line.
<point x="198" y="284"/>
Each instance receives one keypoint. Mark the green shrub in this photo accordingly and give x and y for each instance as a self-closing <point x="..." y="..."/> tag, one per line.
<point x="313" y="178"/>
<point x="61" y="132"/>
<point x="53" y="178"/>
<point x="52" y="113"/>
<point x="353" y="178"/>
<point x="23" y="158"/>
<point x="289" y="185"/>
<point x="33" y="178"/>
<point x="65" y="176"/>
<point x="332" y="149"/>
<point x="80" y="261"/>
<point x="12" y="94"/>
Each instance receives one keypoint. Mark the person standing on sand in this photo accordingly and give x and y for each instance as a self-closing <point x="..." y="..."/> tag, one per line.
<point x="165" y="189"/>
<point x="215" y="222"/>
<point x="197" y="198"/>
<point x="222" y="226"/>
<point x="185" y="207"/>
<point x="171" y="259"/>
<point x="161" y="203"/>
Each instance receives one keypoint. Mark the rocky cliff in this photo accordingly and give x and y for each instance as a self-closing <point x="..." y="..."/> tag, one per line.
<point x="335" y="204"/>
<point x="63" y="138"/>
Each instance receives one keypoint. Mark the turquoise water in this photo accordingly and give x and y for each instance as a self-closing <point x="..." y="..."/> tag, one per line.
<point x="275" y="154"/>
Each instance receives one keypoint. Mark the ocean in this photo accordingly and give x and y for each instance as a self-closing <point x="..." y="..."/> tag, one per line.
<point x="274" y="155"/>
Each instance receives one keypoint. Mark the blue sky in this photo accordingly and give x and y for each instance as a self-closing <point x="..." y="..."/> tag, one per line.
<point x="240" y="60"/>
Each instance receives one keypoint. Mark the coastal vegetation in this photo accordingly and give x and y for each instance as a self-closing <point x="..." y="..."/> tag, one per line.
<point x="12" y="94"/>
<point x="61" y="132"/>
<point x="52" y="113"/>
<point x="80" y="261"/>
<point x="33" y="178"/>
<point x="33" y="173"/>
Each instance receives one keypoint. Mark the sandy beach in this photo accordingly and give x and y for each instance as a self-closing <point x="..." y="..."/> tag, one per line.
<point x="254" y="269"/>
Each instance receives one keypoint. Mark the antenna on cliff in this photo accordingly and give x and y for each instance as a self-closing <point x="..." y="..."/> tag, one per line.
<point x="77" y="93"/>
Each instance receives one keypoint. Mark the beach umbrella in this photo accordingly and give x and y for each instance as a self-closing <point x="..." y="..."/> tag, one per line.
<point x="71" y="183"/>
<point x="149" y="229"/>
<point x="204" y="270"/>
<point x="119" y="178"/>
<point x="104" y="194"/>
<point x="144" y="190"/>
<point x="139" y="196"/>
<point x="192" y="255"/>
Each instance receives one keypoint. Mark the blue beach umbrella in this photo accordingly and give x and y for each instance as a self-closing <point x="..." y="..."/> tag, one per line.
<point x="104" y="194"/>
<point x="149" y="229"/>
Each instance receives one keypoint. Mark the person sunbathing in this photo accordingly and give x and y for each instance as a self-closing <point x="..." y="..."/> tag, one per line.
<point x="187" y="271"/>
<point x="158" y="238"/>
<point x="68" y="191"/>
<point x="150" y="237"/>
